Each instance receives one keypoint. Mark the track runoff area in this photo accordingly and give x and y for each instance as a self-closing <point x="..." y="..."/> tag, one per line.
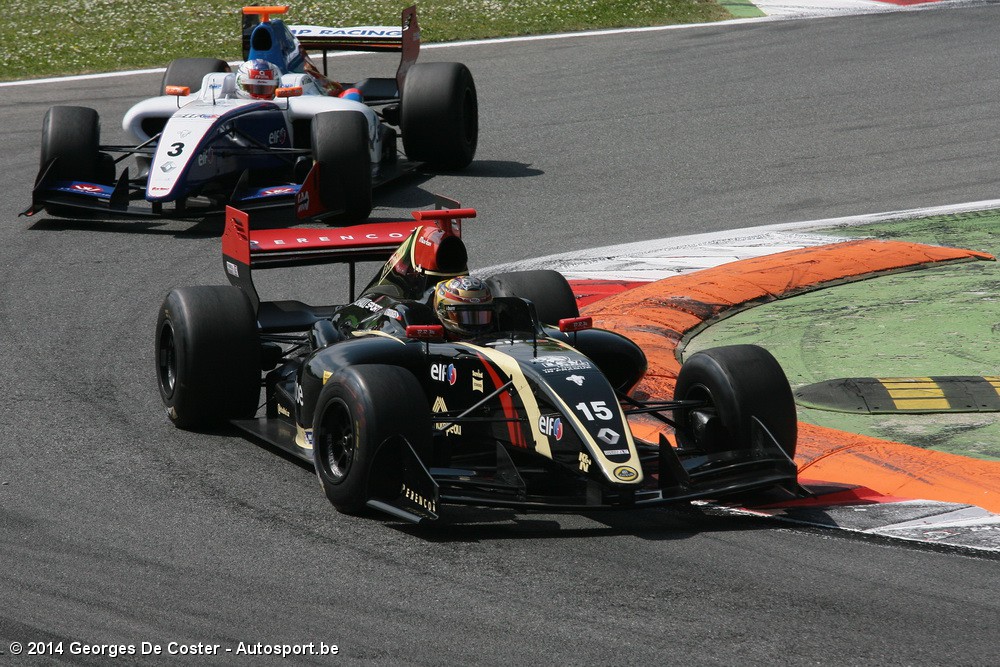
<point x="882" y="324"/>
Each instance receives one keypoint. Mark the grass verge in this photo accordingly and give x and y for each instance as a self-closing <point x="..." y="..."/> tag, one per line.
<point x="57" y="37"/>
<point x="941" y="321"/>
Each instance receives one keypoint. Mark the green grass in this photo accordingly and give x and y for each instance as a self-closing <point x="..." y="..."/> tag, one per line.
<point x="941" y="321"/>
<point x="57" y="37"/>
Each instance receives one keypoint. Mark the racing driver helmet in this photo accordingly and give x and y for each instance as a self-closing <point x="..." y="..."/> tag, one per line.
<point x="257" y="79"/>
<point x="464" y="305"/>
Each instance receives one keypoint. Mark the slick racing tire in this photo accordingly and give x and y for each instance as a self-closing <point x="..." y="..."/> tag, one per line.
<point x="548" y="290"/>
<point x="207" y="356"/>
<point x="72" y="136"/>
<point x="738" y="382"/>
<point x="190" y="72"/>
<point x="358" y="409"/>
<point x="439" y="115"/>
<point x="340" y="148"/>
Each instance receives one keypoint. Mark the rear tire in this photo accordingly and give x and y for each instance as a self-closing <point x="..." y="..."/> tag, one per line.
<point x="738" y="381"/>
<point x="190" y="72"/>
<point x="548" y="290"/>
<point x="340" y="147"/>
<point x="357" y="410"/>
<point x="72" y="136"/>
<point x="207" y="356"/>
<point x="439" y="117"/>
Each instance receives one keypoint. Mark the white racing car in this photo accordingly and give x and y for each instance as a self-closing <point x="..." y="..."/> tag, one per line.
<point x="277" y="132"/>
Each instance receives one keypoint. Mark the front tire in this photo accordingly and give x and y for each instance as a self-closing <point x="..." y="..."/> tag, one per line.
<point x="737" y="382"/>
<point x="207" y="356"/>
<point x="439" y="117"/>
<point x="340" y="147"/>
<point x="72" y="137"/>
<point x="357" y="410"/>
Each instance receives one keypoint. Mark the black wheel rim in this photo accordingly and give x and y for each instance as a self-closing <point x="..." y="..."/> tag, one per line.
<point x="697" y="422"/>
<point x="336" y="441"/>
<point x="166" y="360"/>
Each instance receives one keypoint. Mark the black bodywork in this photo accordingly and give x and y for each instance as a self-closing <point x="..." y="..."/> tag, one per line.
<point x="531" y="415"/>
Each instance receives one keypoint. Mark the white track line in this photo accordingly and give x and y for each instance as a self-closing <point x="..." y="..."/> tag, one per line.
<point x="661" y="258"/>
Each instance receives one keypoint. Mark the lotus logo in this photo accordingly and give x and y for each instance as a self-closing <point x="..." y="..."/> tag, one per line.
<point x="625" y="473"/>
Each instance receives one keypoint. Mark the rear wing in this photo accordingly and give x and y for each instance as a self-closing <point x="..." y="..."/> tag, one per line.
<point x="244" y="250"/>
<point x="403" y="39"/>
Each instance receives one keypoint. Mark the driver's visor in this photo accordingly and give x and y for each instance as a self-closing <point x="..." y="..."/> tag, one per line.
<point x="469" y="315"/>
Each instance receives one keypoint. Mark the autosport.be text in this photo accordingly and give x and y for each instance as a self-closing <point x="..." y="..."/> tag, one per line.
<point x="178" y="648"/>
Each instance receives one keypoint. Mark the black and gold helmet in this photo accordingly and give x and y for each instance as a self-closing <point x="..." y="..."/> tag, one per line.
<point x="464" y="305"/>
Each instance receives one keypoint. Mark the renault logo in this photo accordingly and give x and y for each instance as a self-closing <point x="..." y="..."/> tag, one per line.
<point x="608" y="436"/>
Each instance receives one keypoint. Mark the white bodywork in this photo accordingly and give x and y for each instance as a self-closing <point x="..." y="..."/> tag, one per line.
<point x="192" y="116"/>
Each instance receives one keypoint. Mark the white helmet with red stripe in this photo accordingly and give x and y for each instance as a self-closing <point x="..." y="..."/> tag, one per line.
<point x="257" y="79"/>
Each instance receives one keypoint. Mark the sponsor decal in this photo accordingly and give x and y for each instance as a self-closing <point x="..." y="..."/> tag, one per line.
<point x="205" y="157"/>
<point x="282" y="410"/>
<point x="86" y="187"/>
<point x="393" y="313"/>
<point x="279" y="136"/>
<point x="183" y="133"/>
<point x="477" y="381"/>
<point x="418" y="499"/>
<point x="576" y="379"/>
<point x="585" y="462"/>
<point x="327" y="375"/>
<point x="609" y="436"/>
<point x="365" y="302"/>
<point x="232" y="269"/>
<point x="206" y="116"/>
<point x="302" y="199"/>
<point x="390" y="235"/>
<point x="625" y="473"/>
<point x="298" y="395"/>
<point x="158" y="188"/>
<point x="443" y="373"/>
<point x="167" y="167"/>
<point x="278" y="191"/>
<point x="441" y="406"/>
<point x="551" y="426"/>
<point x="315" y="31"/>
<point x="558" y="363"/>
<point x="615" y="452"/>
<point x="309" y="436"/>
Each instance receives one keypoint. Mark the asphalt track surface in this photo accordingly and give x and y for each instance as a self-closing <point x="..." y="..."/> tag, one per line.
<point x="117" y="528"/>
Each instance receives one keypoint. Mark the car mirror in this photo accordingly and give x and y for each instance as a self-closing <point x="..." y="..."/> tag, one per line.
<point x="425" y="332"/>
<point x="291" y="91"/>
<point x="179" y="91"/>
<point x="574" y="324"/>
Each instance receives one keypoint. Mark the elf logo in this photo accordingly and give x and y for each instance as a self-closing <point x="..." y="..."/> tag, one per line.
<point x="443" y="373"/>
<point x="551" y="426"/>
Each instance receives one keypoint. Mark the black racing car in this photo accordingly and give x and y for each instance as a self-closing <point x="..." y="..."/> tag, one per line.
<point x="398" y="416"/>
